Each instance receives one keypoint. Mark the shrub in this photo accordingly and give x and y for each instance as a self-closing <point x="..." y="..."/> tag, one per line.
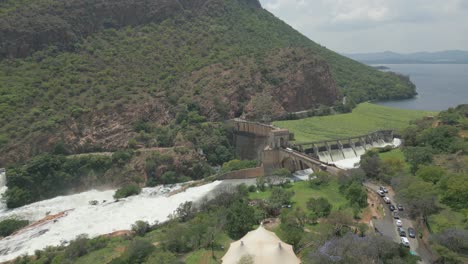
<point x="9" y="226"/>
<point x="321" y="207"/>
<point x="126" y="191"/>
<point x="140" y="227"/>
<point x="321" y="179"/>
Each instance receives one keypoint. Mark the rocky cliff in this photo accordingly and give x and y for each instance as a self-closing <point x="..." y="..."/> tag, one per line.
<point x="80" y="74"/>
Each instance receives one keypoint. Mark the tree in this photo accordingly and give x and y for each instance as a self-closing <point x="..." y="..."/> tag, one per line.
<point x="455" y="192"/>
<point x="140" y="227"/>
<point x="77" y="247"/>
<point x="260" y="182"/>
<point x="439" y="138"/>
<point x="319" y="178"/>
<point x="137" y="252"/>
<point x="339" y="219"/>
<point x="393" y="166"/>
<point x="185" y="211"/>
<point x="292" y="229"/>
<point x="371" y="164"/>
<point x="355" y="249"/>
<point x="321" y="207"/>
<point x="9" y="226"/>
<point x="240" y="219"/>
<point x="418" y="195"/>
<point x="127" y="190"/>
<point x="453" y="239"/>
<point x="279" y="197"/>
<point x="417" y="156"/>
<point x="357" y="195"/>
<point x="431" y="174"/>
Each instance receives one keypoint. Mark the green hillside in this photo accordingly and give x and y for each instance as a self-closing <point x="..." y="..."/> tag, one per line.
<point x="365" y="118"/>
<point x="83" y="73"/>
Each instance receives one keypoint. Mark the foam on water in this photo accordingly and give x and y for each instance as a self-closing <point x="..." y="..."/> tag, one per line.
<point x="336" y="154"/>
<point x="324" y="156"/>
<point x="349" y="153"/>
<point x="82" y="218"/>
<point x="351" y="159"/>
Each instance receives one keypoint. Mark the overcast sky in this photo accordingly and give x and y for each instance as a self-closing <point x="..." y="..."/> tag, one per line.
<point x="377" y="25"/>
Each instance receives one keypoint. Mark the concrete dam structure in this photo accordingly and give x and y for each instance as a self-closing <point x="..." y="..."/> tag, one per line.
<point x="331" y="151"/>
<point x="270" y="145"/>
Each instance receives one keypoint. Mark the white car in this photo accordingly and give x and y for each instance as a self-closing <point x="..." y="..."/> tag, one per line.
<point x="405" y="241"/>
<point x="398" y="223"/>
<point x="386" y="199"/>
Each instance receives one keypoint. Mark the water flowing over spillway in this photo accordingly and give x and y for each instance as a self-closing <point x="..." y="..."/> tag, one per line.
<point x="80" y="217"/>
<point x="349" y="158"/>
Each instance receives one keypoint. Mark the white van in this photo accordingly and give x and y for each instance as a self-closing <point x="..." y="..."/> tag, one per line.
<point x="405" y="241"/>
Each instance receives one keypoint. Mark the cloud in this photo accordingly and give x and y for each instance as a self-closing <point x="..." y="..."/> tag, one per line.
<point x="364" y="25"/>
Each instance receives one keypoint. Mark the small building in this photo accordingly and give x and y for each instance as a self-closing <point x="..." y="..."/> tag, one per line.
<point x="261" y="246"/>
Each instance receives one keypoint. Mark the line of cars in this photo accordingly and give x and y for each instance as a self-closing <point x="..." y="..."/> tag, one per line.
<point x="395" y="213"/>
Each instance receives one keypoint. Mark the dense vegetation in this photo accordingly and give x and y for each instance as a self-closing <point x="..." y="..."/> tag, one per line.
<point x="127" y="190"/>
<point x="48" y="175"/>
<point x="201" y="233"/>
<point x="9" y="226"/>
<point x="365" y="118"/>
<point x="429" y="177"/>
<point x="170" y="68"/>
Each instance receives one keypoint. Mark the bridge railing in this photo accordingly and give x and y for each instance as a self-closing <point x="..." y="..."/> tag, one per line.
<point x="344" y="139"/>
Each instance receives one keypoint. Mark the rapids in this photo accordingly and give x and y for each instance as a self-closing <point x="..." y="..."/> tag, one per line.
<point x="80" y="217"/>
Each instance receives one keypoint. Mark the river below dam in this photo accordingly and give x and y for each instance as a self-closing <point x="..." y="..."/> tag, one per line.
<point x="72" y="215"/>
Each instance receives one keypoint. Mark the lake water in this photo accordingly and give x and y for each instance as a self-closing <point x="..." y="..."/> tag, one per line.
<point x="439" y="86"/>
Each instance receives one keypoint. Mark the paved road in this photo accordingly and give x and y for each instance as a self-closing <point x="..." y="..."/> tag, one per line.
<point x="387" y="225"/>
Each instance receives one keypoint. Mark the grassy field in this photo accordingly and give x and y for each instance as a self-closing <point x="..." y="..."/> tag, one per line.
<point x="365" y="118"/>
<point x="302" y="193"/>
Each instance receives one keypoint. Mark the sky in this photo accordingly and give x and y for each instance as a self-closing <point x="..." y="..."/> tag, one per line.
<point x="354" y="26"/>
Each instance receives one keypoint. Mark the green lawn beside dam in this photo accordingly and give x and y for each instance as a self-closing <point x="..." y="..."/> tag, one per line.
<point x="365" y="118"/>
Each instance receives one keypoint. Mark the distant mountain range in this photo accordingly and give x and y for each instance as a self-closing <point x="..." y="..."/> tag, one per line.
<point x="388" y="57"/>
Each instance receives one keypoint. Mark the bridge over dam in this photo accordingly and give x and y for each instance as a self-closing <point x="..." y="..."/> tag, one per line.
<point x="345" y="148"/>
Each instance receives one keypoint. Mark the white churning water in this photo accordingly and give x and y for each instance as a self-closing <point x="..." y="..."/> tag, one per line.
<point x="352" y="160"/>
<point x="82" y="218"/>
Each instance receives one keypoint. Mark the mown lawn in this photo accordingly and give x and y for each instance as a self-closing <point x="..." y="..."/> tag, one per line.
<point x="365" y="118"/>
<point x="302" y="193"/>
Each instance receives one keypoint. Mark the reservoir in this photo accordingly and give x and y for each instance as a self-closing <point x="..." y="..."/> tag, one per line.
<point x="439" y="86"/>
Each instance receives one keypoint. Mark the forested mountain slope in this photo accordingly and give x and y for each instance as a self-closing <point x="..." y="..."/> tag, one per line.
<point x="86" y="75"/>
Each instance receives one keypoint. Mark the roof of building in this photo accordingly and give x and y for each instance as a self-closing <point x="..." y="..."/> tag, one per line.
<point x="263" y="246"/>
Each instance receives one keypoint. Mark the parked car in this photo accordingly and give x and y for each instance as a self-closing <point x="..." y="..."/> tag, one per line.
<point x="383" y="189"/>
<point x="289" y="150"/>
<point x="405" y="241"/>
<point x="391" y="207"/>
<point x="401" y="232"/>
<point x="400" y="207"/>
<point x="396" y="215"/>
<point x="411" y="232"/>
<point x="381" y="193"/>
<point x="387" y="200"/>
<point x="398" y="223"/>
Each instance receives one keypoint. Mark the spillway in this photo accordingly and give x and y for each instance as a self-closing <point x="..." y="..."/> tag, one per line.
<point x="348" y="157"/>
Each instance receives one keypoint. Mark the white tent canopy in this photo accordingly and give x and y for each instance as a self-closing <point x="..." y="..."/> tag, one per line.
<point x="263" y="246"/>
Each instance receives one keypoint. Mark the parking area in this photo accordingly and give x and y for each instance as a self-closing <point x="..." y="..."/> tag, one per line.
<point x="387" y="225"/>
